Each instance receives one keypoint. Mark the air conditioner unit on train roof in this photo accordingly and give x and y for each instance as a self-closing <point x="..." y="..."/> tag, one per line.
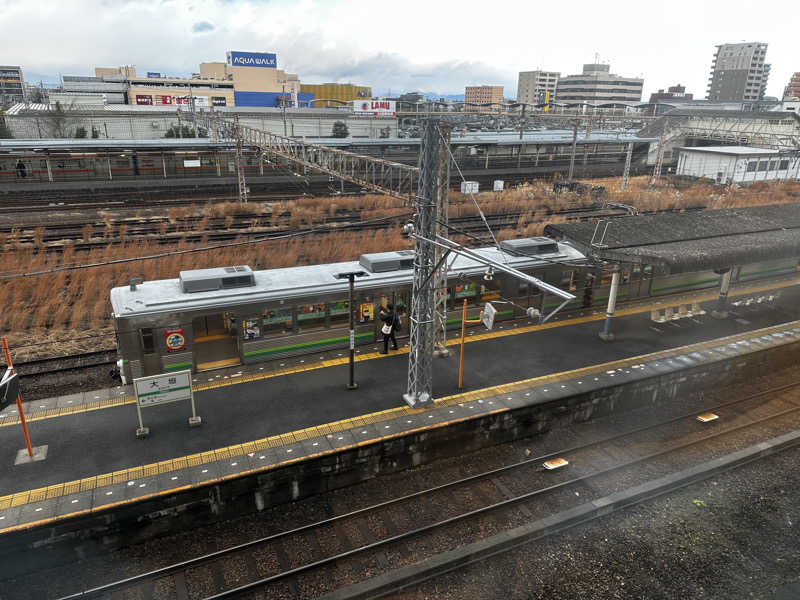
<point x="530" y="246"/>
<point x="219" y="278"/>
<point x="383" y="262"/>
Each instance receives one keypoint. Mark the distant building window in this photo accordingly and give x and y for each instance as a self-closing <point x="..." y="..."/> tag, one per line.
<point x="763" y="165"/>
<point x="773" y="165"/>
<point x="752" y="166"/>
<point x="784" y="165"/>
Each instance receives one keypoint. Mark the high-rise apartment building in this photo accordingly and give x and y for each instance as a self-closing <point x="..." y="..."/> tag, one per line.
<point x="597" y="85"/>
<point x="738" y="72"/>
<point x="11" y="85"/>
<point x="482" y="94"/>
<point x="793" y="89"/>
<point x="533" y="85"/>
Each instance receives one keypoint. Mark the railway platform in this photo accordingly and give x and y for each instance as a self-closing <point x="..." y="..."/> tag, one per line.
<point x="266" y="417"/>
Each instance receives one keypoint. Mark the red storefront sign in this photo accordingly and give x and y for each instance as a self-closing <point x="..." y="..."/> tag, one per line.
<point x="144" y="99"/>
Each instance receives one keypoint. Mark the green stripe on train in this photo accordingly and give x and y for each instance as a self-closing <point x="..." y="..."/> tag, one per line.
<point x="715" y="280"/>
<point x="180" y="365"/>
<point x="685" y="285"/>
<point x="598" y="300"/>
<point x="305" y="345"/>
<point x="773" y="270"/>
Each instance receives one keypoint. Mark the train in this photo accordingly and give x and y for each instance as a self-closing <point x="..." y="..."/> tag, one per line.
<point x="221" y="317"/>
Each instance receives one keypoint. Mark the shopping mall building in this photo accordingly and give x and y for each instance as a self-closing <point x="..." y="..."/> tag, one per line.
<point x="250" y="79"/>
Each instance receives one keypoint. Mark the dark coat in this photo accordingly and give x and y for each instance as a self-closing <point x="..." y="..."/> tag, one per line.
<point x="390" y="319"/>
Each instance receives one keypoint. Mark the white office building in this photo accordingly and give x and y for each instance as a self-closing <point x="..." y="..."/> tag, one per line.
<point x="738" y="164"/>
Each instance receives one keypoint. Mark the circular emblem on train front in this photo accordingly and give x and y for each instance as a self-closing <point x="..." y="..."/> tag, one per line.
<point x="174" y="339"/>
<point x="365" y="106"/>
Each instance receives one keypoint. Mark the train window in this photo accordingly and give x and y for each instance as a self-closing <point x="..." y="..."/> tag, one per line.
<point x="310" y="316"/>
<point x="465" y="290"/>
<point x="366" y="310"/>
<point x="276" y="321"/>
<point x="148" y="341"/>
<point x="251" y="329"/>
<point x="490" y="291"/>
<point x="339" y="312"/>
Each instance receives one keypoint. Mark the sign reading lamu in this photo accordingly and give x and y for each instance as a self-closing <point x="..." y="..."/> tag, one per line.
<point x="254" y="59"/>
<point x="386" y="108"/>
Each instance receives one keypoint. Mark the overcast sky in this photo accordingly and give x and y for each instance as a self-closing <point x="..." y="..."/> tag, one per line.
<point x="432" y="46"/>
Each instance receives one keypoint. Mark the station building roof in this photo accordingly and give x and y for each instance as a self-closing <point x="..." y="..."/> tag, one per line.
<point x="695" y="241"/>
<point x="731" y="150"/>
<point x="552" y="137"/>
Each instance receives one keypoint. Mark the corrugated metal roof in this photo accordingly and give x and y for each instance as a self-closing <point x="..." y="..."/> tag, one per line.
<point x="685" y="242"/>
<point x="732" y="150"/>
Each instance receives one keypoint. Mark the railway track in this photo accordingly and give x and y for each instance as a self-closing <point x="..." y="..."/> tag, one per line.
<point x="324" y="555"/>
<point x="222" y="229"/>
<point x="21" y="200"/>
<point x="69" y="362"/>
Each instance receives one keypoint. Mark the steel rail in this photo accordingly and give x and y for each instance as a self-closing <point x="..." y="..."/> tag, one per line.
<point x="199" y="560"/>
<point x="491" y="507"/>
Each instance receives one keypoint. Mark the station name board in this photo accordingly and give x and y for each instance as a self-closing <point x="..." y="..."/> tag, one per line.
<point x="254" y="59"/>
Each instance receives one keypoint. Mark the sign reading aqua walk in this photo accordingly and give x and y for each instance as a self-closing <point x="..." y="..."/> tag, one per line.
<point x="253" y="59"/>
<point x="159" y="389"/>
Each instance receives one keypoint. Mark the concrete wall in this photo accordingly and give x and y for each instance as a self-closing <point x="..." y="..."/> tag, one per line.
<point x="60" y="543"/>
<point x="147" y="125"/>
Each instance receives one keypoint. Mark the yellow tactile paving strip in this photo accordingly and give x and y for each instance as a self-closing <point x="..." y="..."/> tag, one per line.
<point x="275" y="441"/>
<point x="659" y="302"/>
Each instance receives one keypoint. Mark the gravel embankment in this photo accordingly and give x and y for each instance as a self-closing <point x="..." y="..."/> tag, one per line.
<point x="734" y="536"/>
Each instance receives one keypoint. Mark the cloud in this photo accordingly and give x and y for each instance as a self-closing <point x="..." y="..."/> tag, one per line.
<point x="202" y="27"/>
<point x="390" y="49"/>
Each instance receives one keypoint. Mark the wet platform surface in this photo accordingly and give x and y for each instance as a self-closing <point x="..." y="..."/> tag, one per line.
<point x="256" y="420"/>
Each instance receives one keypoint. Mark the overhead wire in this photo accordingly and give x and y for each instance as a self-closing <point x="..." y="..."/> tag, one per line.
<point x="463" y="179"/>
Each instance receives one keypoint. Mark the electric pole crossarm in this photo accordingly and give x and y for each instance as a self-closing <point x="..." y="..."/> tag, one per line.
<point x="467" y="253"/>
<point x="451" y="246"/>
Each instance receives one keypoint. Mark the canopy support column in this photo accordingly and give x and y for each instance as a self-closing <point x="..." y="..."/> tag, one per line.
<point x="607" y="334"/>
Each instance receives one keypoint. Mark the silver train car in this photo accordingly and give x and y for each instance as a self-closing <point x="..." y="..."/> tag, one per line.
<point x="214" y="318"/>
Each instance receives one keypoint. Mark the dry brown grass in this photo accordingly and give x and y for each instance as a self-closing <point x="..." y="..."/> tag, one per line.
<point x="73" y="304"/>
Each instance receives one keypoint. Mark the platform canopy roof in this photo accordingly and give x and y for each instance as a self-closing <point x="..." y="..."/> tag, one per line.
<point x="692" y="241"/>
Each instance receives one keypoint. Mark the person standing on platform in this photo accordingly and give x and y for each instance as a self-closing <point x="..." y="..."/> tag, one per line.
<point x="389" y="318"/>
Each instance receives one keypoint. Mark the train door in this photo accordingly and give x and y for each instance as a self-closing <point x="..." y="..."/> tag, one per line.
<point x="216" y="341"/>
<point x="151" y="359"/>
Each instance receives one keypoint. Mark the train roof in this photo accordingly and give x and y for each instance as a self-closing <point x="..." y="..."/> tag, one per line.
<point x="167" y="295"/>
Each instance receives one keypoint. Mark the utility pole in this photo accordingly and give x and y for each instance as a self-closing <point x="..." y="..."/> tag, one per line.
<point x="179" y="123"/>
<point x="420" y="355"/>
<point x="283" y="105"/>
<point x="237" y="133"/>
<point x="574" y="146"/>
<point x="350" y="276"/>
<point x="191" y="107"/>
<point x="442" y="210"/>
<point x="660" y="154"/>
<point x="627" y="172"/>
